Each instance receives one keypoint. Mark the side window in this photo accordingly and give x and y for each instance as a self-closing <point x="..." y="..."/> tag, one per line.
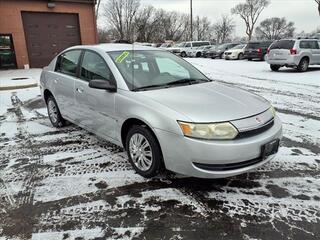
<point x="314" y="45"/>
<point x="68" y="62"/>
<point x="305" y="45"/>
<point x="94" y="67"/>
<point x="167" y="65"/>
<point x="188" y="45"/>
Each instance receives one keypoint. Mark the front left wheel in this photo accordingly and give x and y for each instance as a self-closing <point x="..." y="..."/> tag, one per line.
<point x="144" y="151"/>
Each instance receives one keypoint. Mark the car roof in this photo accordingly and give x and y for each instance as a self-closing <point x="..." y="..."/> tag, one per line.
<point x="113" y="47"/>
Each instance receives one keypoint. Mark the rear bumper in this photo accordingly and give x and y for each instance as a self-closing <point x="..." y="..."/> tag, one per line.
<point x="253" y="55"/>
<point x="290" y="61"/>
<point x="188" y="156"/>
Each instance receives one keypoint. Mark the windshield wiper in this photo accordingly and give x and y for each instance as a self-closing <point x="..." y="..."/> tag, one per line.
<point x="187" y="81"/>
<point x="181" y="81"/>
<point x="148" y="87"/>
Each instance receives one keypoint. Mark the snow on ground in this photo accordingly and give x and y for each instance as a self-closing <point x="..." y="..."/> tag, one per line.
<point x="21" y="77"/>
<point x="68" y="184"/>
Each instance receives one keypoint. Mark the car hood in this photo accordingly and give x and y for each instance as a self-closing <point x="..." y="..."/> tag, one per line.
<point x="209" y="102"/>
<point x="234" y="50"/>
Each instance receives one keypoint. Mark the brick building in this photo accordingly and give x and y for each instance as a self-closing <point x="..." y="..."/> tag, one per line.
<point x="32" y="32"/>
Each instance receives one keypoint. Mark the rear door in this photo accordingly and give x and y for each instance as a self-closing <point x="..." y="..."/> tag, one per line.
<point x="95" y="107"/>
<point x="315" y="49"/>
<point x="280" y="50"/>
<point x="63" y="82"/>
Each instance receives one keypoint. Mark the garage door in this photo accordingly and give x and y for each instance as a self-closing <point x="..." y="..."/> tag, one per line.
<point x="49" y="33"/>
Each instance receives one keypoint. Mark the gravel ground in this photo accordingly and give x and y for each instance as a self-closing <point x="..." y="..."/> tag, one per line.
<point x="68" y="184"/>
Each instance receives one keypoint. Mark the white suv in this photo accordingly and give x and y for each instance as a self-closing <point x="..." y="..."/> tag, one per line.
<point x="295" y="53"/>
<point x="185" y="47"/>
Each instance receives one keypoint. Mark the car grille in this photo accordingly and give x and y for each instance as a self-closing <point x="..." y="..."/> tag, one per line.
<point x="229" y="166"/>
<point x="256" y="131"/>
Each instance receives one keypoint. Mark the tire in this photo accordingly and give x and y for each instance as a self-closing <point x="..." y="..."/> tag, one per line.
<point x="303" y="65"/>
<point x="198" y="54"/>
<point x="249" y="59"/>
<point x="54" y="113"/>
<point x="183" y="54"/>
<point x="274" y="68"/>
<point x="240" y="56"/>
<point x="147" y="165"/>
<point x="221" y="56"/>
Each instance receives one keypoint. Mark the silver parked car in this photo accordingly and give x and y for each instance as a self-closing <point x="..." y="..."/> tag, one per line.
<point x="161" y="109"/>
<point x="295" y="53"/>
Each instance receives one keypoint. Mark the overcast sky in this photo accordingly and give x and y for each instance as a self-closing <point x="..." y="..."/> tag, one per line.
<point x="302" y="12"/>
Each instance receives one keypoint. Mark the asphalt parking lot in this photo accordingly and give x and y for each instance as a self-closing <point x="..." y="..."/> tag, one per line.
<point x="68" y="184"/>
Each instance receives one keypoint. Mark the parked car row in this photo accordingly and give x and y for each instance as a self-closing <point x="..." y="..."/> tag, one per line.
<point x="292" y="53"/>
<point x="229" y="51"/>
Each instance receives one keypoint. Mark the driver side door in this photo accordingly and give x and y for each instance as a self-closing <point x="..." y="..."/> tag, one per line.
<point x="96" y="107"/>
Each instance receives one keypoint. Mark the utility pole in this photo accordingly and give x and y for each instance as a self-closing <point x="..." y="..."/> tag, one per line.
<point x="191" y="21"/>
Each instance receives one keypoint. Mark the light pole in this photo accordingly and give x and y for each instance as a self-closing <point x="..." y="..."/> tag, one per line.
<point x="191" y="21"/>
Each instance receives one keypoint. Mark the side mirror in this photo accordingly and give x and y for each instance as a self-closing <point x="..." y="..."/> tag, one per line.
<point x="102" y="84"/>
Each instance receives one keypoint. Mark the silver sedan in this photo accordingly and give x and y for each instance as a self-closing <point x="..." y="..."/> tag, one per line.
<point x="161" y="109"/>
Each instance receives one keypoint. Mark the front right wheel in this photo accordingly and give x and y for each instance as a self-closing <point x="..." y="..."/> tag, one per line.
<point x="144" y="151"/>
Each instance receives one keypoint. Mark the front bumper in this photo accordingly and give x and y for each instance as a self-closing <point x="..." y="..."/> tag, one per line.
<point x="182" y="154"/>
<point x="231" y="57"/>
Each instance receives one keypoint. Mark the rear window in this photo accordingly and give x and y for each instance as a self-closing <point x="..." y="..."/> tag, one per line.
<point x="283" y="44"/>
<point x="253" y="45"/>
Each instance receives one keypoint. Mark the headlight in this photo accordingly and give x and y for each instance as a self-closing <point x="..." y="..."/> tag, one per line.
<point x="273" y="111"/>
<point x="212" y="131"/>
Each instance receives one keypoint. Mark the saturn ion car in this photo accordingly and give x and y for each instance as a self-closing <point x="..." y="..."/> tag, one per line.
<point x="163" y="111"/>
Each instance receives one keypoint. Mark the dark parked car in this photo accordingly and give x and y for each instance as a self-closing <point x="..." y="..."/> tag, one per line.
<point x="206" y="53"/>
<point x="219" y="51"/>
<point x="257" y="50"/>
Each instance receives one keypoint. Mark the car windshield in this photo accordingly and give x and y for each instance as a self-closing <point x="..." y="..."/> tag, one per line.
<point x="241" y="46"/>
<point x="144" y="69"/>
<point x="221" y="47"/>
<point x="179" y="44"/>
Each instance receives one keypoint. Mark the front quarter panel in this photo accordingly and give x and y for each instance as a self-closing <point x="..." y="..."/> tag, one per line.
<point x="157" y="116"/>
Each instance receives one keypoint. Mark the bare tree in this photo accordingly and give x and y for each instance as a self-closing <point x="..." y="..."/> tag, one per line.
<point x="275" y="29"/>
<point x="250" y="12"/>
<point x="318" y="2"/>
<point x="223" y="29"/>
<point x="202" y="28"/>
<point x="121" y="15"/>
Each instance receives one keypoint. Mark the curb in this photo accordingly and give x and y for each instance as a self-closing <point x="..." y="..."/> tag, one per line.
<point x="18" y="87"/>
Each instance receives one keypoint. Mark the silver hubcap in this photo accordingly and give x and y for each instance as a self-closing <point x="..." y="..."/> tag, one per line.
<point x="53" y="111"/>
<point x="140" y="152"/>
<point x="305" y="65"/>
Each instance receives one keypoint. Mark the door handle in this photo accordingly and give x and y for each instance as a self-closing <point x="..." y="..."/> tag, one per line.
<point x="79" y="89"/>
<point x="56" y="80"/>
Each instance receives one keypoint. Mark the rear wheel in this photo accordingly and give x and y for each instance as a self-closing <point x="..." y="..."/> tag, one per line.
<point x="144" y="151"/>
<point x="54" y="113"/>
<point x="303" y="65"/>
<point x="183" y="54"/>
<point x="275" y="68"/>
<point x="198" y="54"/>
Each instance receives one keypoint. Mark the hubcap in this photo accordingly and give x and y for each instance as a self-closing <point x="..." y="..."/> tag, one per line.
<point x="305" y="65"/>
<point x="52" y="110"/>
<point x="140" y="152"/>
